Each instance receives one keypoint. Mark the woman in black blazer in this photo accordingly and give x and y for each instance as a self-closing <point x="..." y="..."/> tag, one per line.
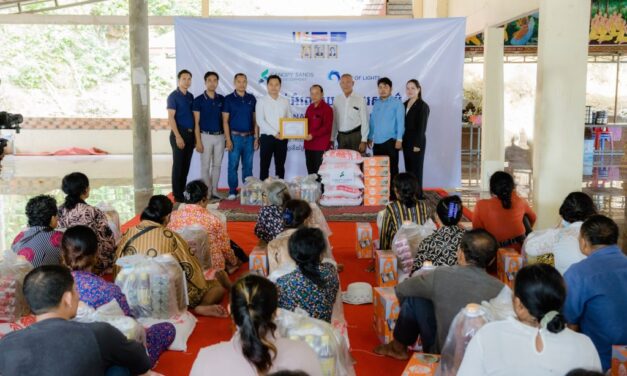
<point x="415" y="137"/>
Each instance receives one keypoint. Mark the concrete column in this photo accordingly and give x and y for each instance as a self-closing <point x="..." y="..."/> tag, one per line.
<point x="560" y="105"/>
<point x="434" y="8"/>
<point x="142" y="149"/>
<point x="492" y="128"/>
<point x="416" y="7"/>
<point x="205" y="8"/>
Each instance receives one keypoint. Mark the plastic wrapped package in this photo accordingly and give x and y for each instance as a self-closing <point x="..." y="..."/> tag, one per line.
<point x="113" y="219"/>
<point x="112" y="314"/>
<point x="198" y="240"/>
<point x="414" y="234"/>
<point x="155" y="287"/>
<point x="328" y="343"/>
<point x="329" y="168"/>
<point x="500" y="307"/>
<point x="310" y="189"/>
<point x="342" y="190"/>
<point x="464" y="326"/>
<point x="339" y="201"/>
<point x="252" y="192"/>
<point x="213" y="209"/>
<point x="540" y="242"/>
<point x="13" y="269"/>
<point x="295" y="189"/>
<point x="343" y="155"/>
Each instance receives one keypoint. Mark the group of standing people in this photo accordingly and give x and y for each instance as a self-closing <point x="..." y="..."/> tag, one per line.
<point x="241" y="124"/>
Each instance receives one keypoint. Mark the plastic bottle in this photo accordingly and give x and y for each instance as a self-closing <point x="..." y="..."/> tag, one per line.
<point x="143" y="293"/>
<point x="327" y="356"/>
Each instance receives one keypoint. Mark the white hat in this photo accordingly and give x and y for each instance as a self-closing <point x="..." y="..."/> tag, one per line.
<point x="358" y="293"/>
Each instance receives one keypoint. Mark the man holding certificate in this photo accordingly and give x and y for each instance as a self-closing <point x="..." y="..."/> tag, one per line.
<point x="320" y="125"/>
<point x="269" y="110"/>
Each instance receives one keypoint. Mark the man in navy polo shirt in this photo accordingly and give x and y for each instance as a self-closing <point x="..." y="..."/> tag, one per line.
<point x="209" y="134"/>
<point x="240" y="130"/>
<point x="181" y="121"/>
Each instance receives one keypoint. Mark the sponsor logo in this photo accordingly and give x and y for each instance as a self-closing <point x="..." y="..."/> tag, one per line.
<point x="334" y="75"/>
<point x="285" y="76"/>
<point x="264" y="76"/>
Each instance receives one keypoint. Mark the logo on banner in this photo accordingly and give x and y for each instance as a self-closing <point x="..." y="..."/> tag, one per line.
<point x="334" y="75"/>
<point x="319" y="45"/>
<point x="264" y="76"/>
<point x="286" y="76"/>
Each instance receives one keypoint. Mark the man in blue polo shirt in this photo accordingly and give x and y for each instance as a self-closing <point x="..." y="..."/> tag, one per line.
<point x="240" y="130"/>
<point x="209" y="134"/>
<point x="387" y="125"/>
<point x="181" y="121"/>
<point x="596" y="288"/>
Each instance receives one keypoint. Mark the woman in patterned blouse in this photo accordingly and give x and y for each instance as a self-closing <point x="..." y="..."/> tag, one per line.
<point x="40" y="243"/>
<point x="151" y="238"/>
<point x="75" y="211"/>
<point x="195" y="212"/>
<point x="405" y="208"/>
<point x="441" y="247"/>
<point x="313" y="286"/>
<point x="79" y="248"/>
<point x="270" y="219"/>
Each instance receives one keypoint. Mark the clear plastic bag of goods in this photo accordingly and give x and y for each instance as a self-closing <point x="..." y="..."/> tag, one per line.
<point x="155" y="287"/>
<point x="13" y="269"/>
<point x="317" y="219"/>
<point x="310" y="189"/>
<point x="213" y="210"/>
<point x="328" y="168"/>
<point x="252" y="192"/>
<point x="198" y="240"/>
<point x="540" y="242"/>
<point x="342" y="191"/>
<point x="501" y="306"/>
<point x="328" y="343"/>
<point x="427" y="267"/>
<point x="342" y="155"/>
<point x="464" y="326"/>
<point x="113" y="219"/>
<point x="112" y="314"/>
<point x="406" y="241"/>
<point x="327" y="200"/>
<point x="355" y="182"/>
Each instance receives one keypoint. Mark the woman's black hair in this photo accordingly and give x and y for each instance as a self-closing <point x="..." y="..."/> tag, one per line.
<point x="254" y="300"/>
<point x="40" y="210"/>
<point x="541" y="289"/>
<point x="195" y="191"/>
<point x="158" y="208"/>
<point x="415" y="82"/>
<point x="584" y="372"/>
<point x="502" y="186"/>
<point x="74" y="186"/>
<point x="599" y="230"/>
<point x="306" y="246"/>
<point x="406" y="187"/>
<point x="449" y="210"/>
<point x="577" y="207"/>
<point x="295" y="213"/>
<point x="79" y="247"/>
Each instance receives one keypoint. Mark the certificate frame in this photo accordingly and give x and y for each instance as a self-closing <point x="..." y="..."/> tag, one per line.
<point x="293" y="128"/>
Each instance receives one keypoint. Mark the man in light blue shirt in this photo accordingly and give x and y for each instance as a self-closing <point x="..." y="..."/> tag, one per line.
<point x="387" y="125"/>
<point x="596" y="288"/>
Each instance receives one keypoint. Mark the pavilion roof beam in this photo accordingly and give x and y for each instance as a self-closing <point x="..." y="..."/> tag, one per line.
<point x="481" y="14"/>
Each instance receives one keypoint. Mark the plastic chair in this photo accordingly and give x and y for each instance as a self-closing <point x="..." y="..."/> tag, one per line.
<point x="601" y="137"/>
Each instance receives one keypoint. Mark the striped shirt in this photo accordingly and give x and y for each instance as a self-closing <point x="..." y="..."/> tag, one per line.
<point x="40" y="245"/>
<point x="395" y="214"/>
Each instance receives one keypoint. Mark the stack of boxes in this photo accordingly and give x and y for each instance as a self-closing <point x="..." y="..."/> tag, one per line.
<point x="377" y="181"/>
<point x="386" y="310"/>
<point x="508" y="263"/>
<point x="365" y="245"/>
<point x="422" y="365"/>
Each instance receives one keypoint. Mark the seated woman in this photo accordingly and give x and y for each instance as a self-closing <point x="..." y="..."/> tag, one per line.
<point x="80" y="247"/>
<point x="504" y="214"/>
<point x="270" y="219"/>
<point x="405" y="208"/>
<point x="255" y="348"/>
<point x="151" y="237"/>
<point x="75" y="211"/>
<point x="441" y="247"/>
<point x="40" y="243"/>
<point x="537" y="341"/>
<point x="560" y="246"/>
<point x="295" y="215"/>
<point x="313" y="286"/>
<point x="195" y="212"/>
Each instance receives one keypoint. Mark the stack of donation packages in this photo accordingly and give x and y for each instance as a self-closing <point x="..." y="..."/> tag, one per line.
<point x="342" y="178"/>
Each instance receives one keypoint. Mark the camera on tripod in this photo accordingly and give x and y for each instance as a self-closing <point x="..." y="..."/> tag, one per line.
<point x="10" y="121"/>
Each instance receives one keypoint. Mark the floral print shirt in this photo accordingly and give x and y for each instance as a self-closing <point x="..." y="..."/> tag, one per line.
<point x="440" y="247"/>
<point x="269" y="223"/>
<point x="95" y="291"/>
<point x="219" y="242"/>
<point x="40" y="245"/>
<point x="297" y="291"/>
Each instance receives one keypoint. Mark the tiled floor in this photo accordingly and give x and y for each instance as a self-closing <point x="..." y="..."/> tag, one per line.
<point x="111" y="181"/>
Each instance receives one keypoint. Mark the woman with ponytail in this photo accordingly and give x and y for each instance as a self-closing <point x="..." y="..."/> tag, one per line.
<point x="537" y="341"/>
<point x="441" y="247"/>
<point x="151" y="237"/>
<point x="406" y="207"/>
<point x="75" y="211"/>
<point x="256" y="348"/>
<point x="314" y="285"/>
<point x="506" y="216"/>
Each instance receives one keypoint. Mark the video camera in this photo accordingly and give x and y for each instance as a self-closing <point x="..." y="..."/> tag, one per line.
<point x="10" y="121"/>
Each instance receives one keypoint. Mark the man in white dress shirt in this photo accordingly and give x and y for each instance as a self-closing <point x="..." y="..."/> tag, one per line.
<point x="350" y="117"/>
<point x="268" y="111"/>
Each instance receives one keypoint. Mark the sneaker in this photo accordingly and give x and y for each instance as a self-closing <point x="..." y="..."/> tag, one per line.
<point x="231" y="197"/>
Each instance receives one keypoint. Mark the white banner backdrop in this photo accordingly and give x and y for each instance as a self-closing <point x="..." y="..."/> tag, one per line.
<point x="305" y="52"/>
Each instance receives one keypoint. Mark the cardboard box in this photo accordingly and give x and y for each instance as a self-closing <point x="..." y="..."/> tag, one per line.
<point x="377" y="181"/>
<point x="619" y="360"/>
<point x="386" y="310"/>
<point x="365" y="245"/>
<point x="421" y="364"/>
<point x="386" y="268"/>
<point x="377" y="191"/>
<point x="258" y="261"/>
<point x="508" y="263"/>
<point x="376" y="200"/>
<point x="379" y="160"/>
<point x="376" y="171"/>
